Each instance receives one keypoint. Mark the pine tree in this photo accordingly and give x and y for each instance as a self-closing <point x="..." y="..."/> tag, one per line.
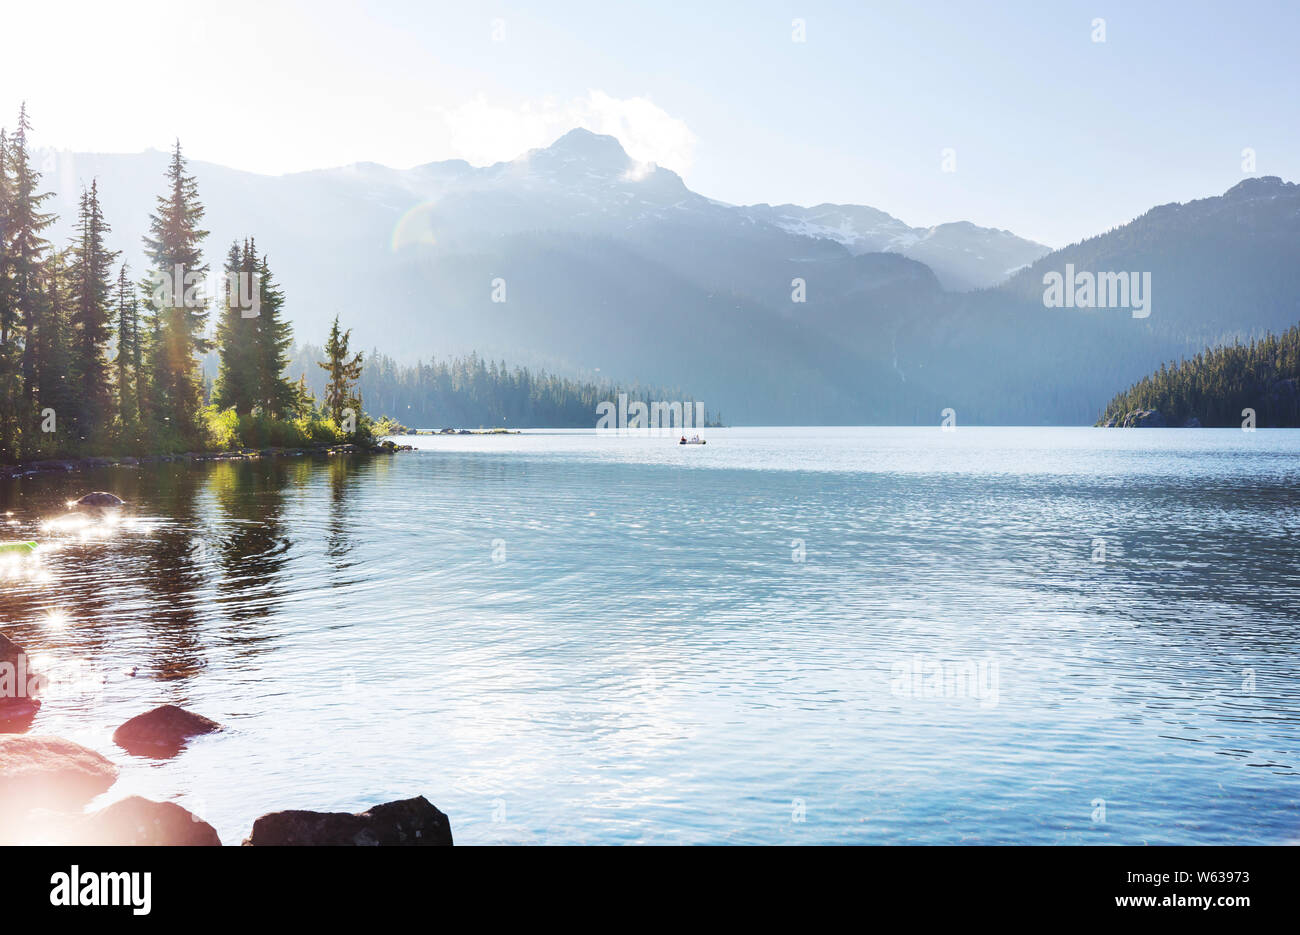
<point x="179" y="315"/>
<point x="236" y="383"/>
<point x="55" y="393"/>
<point x="276" y="395"/>
<point x="9" y="388"/>
<point x="343" y="375"/>
<point x="92" y="265"/>
<point x="26" y="254"/>
<point x="304" y="402"/>
<point x="138" y="371"/>
<point x="151" y="349"/>
<point x="5" y="196"/>
<point x="125" y="363"/>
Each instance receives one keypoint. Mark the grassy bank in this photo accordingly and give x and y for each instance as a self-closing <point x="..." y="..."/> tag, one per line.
<point x="224" y="434"/>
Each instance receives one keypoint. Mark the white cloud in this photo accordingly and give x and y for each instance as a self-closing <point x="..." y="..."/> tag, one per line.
<point x="483" y="132"/>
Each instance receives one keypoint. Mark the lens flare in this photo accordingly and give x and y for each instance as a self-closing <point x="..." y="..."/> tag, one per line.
<point x="415" y="227"/>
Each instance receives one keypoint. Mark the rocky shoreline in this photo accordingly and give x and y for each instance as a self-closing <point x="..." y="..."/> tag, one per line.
<point x="56" y="465"/>
<point x="1145" y="419"/>
<point x="46" y="782"/>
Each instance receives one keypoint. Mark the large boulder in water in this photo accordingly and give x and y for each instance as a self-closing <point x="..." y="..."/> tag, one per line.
<point x="100" y="500"/>
<point x="17" y="687"/>
<point x="163" y="731"/>
<point x="409" y="822"/>
<point x="137" y="821"/>
<point x="17" y="714"/>
<point x="9" y="650"/>
<point x="50" y="772"/>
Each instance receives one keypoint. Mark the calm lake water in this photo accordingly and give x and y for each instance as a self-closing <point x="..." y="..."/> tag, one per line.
<point x="564" y="638"/>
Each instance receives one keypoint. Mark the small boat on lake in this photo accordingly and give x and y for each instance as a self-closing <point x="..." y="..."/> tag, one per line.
<point x="693" y="440"/>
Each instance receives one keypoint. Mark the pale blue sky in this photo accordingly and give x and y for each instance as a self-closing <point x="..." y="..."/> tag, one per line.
<point x="1056" y="136"/>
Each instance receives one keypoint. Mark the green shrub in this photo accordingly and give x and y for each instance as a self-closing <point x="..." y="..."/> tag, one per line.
<point x="222" y="428"/>
<point x="387" y="425"/>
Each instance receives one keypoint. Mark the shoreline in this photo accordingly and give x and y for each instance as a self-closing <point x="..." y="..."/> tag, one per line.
<point x="495" y="431"/>
<point x="71" y="465"/>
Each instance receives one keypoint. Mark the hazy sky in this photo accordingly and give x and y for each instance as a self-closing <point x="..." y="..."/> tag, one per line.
<point x="1056" y="136"/>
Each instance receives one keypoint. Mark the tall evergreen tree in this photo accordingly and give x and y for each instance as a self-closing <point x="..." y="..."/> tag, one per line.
<point x="150" y="357"/>
<point x="92" y="264"/>
<point x="236" y="383"/>
<point x="26" y="253"/>
<point x="6" y="321"/>
<point x="9" y="386"/>
<point x="340" y="390"/>
<point x="179" y="314"/>
<point x="276" y="394"/>
<point x="55" y="391"/>
<point x="139" y="372"/>
<point x="126" y="361"/>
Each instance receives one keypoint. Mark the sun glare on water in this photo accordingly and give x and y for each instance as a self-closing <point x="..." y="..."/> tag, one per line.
<point x="87" y="528"/>
<point x="56" y="620"/>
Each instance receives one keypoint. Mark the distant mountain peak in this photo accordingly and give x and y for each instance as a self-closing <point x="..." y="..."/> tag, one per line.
<point x="580" y="139"/>
<point x="1264" y="185"/>
<point x="963" y="255"/>
<point x="595" y="151"/>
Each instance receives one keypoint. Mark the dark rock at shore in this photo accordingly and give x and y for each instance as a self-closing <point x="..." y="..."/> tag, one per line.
<point x="409" y="822"/>
<point x="38" y="771"/>
<point x="1144" y="419"/>
<point x="140" y="822"/>
<point x="17" y="706"/>
<point x="100" y="499"/>
<point x="162" y="732"/>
